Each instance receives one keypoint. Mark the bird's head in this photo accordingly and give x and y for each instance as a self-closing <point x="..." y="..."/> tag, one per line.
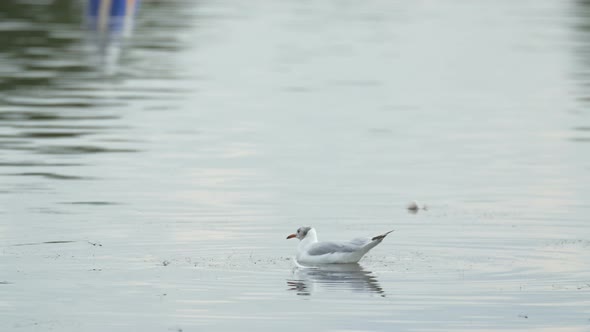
<point x="301" y="233"/>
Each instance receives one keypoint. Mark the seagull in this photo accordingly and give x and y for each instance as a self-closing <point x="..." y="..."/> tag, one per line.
<point x="314" y="252"/>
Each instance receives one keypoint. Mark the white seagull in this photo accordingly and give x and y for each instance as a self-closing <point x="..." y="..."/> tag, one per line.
<point x="314" y="252"/>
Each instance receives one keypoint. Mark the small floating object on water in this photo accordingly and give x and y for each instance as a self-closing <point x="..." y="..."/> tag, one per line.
<point x="414" y="207"/>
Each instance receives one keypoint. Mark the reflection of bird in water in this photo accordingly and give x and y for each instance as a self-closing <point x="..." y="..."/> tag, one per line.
<point x="353" y="277"/>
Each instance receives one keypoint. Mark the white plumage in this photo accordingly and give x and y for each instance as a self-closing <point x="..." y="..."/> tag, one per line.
<point x="311" y="251"/>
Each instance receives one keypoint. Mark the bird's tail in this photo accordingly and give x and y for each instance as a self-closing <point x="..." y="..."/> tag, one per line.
<point x="382" y="236"/>
<point x="374" y="242"/>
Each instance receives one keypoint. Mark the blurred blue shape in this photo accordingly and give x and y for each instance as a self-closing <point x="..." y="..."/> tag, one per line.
<point x="111" y="15"/>
<point x="110" y="21"/>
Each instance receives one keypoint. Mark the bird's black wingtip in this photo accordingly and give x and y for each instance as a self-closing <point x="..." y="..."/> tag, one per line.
<point x="382" y="236"/>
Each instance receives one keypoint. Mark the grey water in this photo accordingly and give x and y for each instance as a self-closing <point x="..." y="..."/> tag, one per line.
<point x="148" y="181"/>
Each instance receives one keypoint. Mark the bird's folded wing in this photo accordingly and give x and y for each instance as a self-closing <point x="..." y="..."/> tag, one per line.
<point x="322" y="248"/>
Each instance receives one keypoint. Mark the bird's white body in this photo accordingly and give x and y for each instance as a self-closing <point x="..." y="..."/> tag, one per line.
<point x="311" y="251"/>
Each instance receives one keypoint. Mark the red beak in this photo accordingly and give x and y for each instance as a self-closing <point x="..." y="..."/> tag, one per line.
<point x="291" y="236"/>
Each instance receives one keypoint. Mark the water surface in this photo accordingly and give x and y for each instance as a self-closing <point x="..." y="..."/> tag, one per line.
<point x="148" y="182"/>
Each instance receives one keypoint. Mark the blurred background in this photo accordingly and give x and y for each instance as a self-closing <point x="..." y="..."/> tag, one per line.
<point x="152" y="163"/>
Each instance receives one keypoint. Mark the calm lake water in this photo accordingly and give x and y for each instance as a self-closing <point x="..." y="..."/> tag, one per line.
<point x="147" y="183"/>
